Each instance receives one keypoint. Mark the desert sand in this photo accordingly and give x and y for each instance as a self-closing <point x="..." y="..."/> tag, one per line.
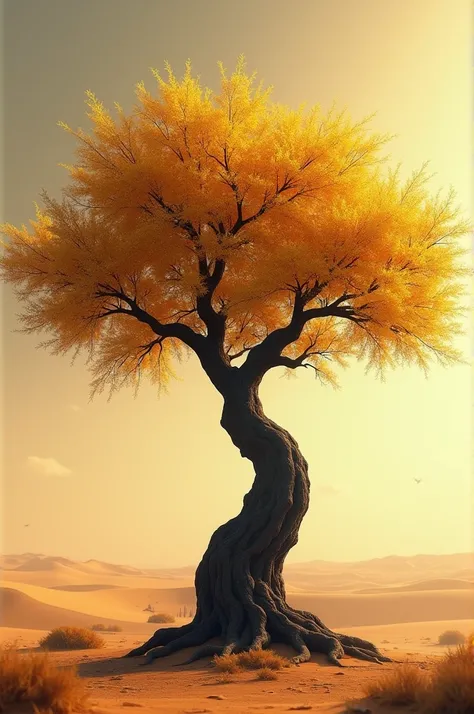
<point x="401" y="604"/>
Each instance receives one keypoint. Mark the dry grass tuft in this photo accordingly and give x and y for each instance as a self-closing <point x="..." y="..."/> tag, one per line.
<point x="100" y="627"/>
<point x="266" y="673"/>
<point x="255" y="659"/>
<point x="402" y="686"/>
<point x="71" y="638"/>
<point x="161" y="617"/>
<point x="227" y="663"/>
<point x="31" y="679"/>
<point x="225" y="678"/>
<point x="260" y="659"/>
<point x="452" y="683"/>
<point x="448" y="689"/>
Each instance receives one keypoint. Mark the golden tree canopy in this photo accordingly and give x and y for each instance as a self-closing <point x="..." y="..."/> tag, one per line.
<point x="229" y="217"/>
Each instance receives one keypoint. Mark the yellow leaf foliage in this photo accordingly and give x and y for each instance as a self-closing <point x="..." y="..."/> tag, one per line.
<point x="285" y="198"/>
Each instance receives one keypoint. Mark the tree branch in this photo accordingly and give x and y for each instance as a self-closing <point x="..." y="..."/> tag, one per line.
<point x="214" y="363"/>
<point x="214" y="321"/>
<point x="173" y="213"/>
<point x="175" y="329"/>
<point x="267" y="354"/>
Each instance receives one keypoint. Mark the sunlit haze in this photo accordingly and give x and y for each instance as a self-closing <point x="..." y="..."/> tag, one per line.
<point x="146" y="481"/>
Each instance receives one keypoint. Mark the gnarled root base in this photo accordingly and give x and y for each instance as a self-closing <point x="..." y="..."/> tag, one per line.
<point x="304" y="632"/>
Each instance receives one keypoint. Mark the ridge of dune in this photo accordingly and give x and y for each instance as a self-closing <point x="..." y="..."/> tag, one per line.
<point x="84" y="587"/>
<point x="45" y="563"/>
<point x="458" y="565"/>
<point x="455" y="561"/>
<point x="439" y="584"/>
<point x="102" y="567"/>
<point x="70" y="578"/>
<point x="354" y="610"/>
<point x="373" y="577"/>
<point x="463" y="573"/>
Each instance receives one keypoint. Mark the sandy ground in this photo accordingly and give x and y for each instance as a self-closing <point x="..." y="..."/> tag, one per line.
<point x="114" y="683"/>
<point x="403" y="615"/>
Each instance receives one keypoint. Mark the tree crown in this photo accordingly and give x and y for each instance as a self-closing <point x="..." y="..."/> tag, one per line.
<point x="230" y="225"/>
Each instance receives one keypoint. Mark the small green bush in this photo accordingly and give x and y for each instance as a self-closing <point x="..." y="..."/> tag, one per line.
<point x="71" y="638"/>
<point x="161" y="617"/>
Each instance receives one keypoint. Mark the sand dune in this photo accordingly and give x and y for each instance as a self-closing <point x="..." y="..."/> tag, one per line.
<point x="337" y="609"/>
<point x="21" y="611"/>
<point x="55" y="572"/>
<point x="441" y="584"/>
<point x="65" y="576"/>
<point x="97" y="566"/>
<point x="106" y="591"/>
<point x="84" y="588"/>
<point x="38" y="563"/>
<point x="125" y="604"/>
<point x="13" y="561"/>
<point x="350" y="610"/>
<point x="315" y="576"/>
<point x="393" y="565"/>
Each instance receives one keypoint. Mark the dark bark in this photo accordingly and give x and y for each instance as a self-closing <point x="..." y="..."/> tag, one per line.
<point x="239" y="586"/>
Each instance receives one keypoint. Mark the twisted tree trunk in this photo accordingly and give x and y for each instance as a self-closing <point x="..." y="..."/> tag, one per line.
<point x="239" y="586"/>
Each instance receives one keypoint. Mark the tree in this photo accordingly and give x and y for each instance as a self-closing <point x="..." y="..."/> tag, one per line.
<point x="237" y="229"/>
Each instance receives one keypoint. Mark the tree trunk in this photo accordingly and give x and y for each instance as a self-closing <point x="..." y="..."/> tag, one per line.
<point x="239" y="586"/>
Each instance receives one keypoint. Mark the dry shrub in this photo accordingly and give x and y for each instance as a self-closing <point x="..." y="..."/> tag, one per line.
<point x="452" y="683"/>
<point x="402" y="686"/>
<point x="227" y="663"/>
<point x="255" y="659"/>
<point x="32" y="679"/>
<point x="260" y="659"/>
<point x="448" y="689"/>
<point x="267" y="673"/>
<point x="161" y="617"/>
<point x="71" y="638"/>
<point x="106" y="628"/>
<point x="451" y="637"/>
<point x="225" y="678"/>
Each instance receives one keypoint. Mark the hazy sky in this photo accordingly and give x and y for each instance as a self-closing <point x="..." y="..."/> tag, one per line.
<point x="147" y="481"/>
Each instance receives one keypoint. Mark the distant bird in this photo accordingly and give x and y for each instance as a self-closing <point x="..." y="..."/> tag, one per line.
<point x="418" y="480"/>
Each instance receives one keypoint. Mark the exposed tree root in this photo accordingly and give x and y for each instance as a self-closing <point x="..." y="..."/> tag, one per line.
<point x="304" y="633"/>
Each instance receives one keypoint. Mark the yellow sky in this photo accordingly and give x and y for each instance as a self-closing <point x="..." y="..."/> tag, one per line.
<point x="146" y="481"/>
